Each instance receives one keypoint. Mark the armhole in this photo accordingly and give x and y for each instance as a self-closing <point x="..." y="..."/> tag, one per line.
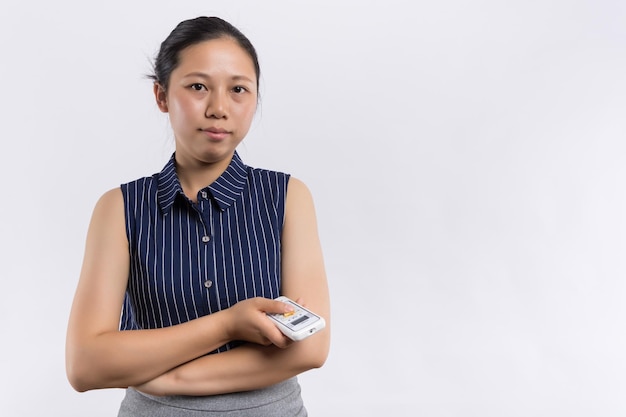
<point x="282" y="200"/>
<point x="129" y="221"/>
<point x="127" y="315"/>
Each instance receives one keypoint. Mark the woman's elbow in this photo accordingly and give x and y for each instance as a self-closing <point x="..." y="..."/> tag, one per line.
<point x="81" y="371"/>
<point x="317" y="361"/>
<point x="83" y="377"/>
<point x="318" y="351"/>
<point x="77" y="379"/>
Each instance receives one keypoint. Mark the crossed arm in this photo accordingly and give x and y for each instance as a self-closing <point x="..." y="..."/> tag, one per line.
<point x="98" y="355"/>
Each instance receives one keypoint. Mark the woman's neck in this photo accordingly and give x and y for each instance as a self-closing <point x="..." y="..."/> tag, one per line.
<point x="196" y="175"/>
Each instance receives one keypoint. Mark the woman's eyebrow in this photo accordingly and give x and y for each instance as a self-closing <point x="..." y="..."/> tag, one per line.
<point x="208" y="77"/>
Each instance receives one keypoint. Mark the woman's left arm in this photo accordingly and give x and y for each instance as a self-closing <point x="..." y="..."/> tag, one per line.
<point x="253" y="366"/>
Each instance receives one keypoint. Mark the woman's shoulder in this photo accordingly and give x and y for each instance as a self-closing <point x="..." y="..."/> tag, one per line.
<point x="109" y="207"/>
<point x="265" y="171"/>
<point x="268" y="179"/>
<point x="297" y="190"/>
<point x="289" y="182"/>
<point x="111" y="197"/>
<point x="141" y="182"/>
<point x="282" y="187"/>
<point x="144" y="189"/>
<point x="115" y="197"/>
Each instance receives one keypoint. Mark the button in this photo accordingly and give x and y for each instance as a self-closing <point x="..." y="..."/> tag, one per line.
<point x="205" y="239"/>
<point x="204" y="194"/>
<point x="208" y="283"/>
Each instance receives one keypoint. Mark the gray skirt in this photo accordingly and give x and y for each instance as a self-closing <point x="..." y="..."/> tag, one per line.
<point x="282" y="399"/>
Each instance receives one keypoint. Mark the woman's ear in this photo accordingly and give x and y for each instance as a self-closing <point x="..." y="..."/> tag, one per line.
<point x="161" y="97"/>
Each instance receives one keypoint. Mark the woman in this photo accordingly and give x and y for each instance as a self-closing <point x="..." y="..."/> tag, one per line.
<point x="194" y="256"/>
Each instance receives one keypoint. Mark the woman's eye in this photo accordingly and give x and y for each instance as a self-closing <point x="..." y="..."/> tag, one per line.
<point x="197" y="87"/>
<point x="239" y="89"/>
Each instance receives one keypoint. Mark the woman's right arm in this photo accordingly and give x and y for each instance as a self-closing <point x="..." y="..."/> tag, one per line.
<point x="99" y="355"/>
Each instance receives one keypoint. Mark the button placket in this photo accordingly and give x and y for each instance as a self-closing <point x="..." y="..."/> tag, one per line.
<point x="206" y="213"/>
<point x="206" y="219"/>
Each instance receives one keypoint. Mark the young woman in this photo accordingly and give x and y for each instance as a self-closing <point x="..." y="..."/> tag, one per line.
<point x="193" y="257"/>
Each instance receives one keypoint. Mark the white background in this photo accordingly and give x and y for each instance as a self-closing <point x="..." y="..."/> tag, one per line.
<point x="467" y="163"/>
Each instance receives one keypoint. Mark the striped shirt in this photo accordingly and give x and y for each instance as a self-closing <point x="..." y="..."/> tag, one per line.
<point x="190" y="259"/>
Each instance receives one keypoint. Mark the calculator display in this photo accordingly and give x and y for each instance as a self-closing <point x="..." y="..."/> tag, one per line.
<point x="300" y="320"/>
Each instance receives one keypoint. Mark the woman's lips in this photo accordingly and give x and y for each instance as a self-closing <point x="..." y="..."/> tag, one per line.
<point x="216" y="133"/>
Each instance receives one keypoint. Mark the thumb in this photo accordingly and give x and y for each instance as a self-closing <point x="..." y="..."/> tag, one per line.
<point x="279" y="307"/>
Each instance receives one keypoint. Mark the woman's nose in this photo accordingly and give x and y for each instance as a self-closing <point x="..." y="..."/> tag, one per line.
<point x="217" y="107"/>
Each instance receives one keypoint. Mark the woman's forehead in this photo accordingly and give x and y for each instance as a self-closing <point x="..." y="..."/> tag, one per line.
<point x="222" y="54"/>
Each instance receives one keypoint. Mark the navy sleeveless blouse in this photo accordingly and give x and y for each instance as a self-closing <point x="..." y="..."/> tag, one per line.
<point x="190" y="259"/>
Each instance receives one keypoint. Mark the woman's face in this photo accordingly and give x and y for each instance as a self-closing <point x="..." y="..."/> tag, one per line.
<point x="211" y="100"/>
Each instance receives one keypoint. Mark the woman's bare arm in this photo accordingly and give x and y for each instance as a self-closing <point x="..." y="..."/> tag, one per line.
<point x="98" y="355"/>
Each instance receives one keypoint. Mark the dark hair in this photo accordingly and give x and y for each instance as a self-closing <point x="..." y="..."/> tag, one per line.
<point x="193" y="31"/>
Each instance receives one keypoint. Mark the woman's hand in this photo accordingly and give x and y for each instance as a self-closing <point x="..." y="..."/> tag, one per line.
<point x="248" y="322"/>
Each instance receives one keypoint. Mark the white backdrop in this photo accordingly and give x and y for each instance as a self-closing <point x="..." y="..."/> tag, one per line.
<point x="467" y="163"/>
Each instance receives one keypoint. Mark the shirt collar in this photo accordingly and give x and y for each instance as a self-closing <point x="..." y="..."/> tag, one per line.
<point x="224" y="190"/>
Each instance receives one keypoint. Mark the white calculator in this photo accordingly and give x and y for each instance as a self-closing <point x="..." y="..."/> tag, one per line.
<point x="298" y="324"/>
